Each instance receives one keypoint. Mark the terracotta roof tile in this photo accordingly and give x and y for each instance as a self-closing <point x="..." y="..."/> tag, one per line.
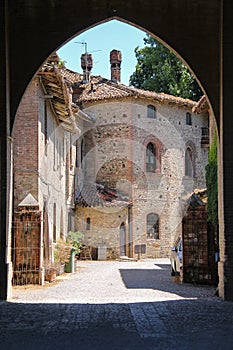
<point x="96" y="195"/>
<point x="201" y="106"/>
<point x="103" y="89"/>
<point x="57" y="82"/>
<point x="71" y="76"/>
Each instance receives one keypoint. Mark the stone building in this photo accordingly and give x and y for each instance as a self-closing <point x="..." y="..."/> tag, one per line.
<point x="149" y="150"/>
<point x="44" y="169"/>
<point x="113" y="162"/>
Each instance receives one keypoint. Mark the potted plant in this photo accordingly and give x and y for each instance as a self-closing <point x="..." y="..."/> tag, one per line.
<point x="49" y="271"/>
<point x="62" y="253"/>
<point x="75" y="240"/>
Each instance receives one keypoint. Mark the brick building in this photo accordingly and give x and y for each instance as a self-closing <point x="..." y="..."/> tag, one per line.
<point x="45" y="132"/>
<point x="149" y="149"/>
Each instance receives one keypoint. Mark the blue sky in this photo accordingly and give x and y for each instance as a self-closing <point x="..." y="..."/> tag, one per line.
<point x="100" y="41"/>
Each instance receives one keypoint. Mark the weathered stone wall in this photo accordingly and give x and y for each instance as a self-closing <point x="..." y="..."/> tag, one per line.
<point x="104" y="228"/>
<point x="122" y="132"/>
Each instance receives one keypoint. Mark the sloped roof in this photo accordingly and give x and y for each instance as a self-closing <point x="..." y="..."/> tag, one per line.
<point x="71" y="76"/>
<point x="100" y="88"/>
<point x="57" y="86"/>
<point x="57" y="81"/>
<point x="201" y="106"/>
<point x="96" y="195"/>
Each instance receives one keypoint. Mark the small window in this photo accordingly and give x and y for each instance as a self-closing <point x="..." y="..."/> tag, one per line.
<point x="151" y="111"/>
<point x="82" y="154"/>
<point x="152" y="222"/>
<point x="45" y="127"/>
<point x="188" y="119"/>
<point x="88" y="223"/>
<point x="150" y="158"/>
<point x="54" y="222"/>
<point x="76" y="155"/>
<point x="188" y="162"/>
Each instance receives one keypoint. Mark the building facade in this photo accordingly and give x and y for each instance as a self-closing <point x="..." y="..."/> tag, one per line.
<point x="116" y="163"/>
<point x="45" y="132"/>
<point x="151" y="149"/>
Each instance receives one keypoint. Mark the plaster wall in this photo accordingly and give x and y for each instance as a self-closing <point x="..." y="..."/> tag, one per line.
<point x="104" y="227"/>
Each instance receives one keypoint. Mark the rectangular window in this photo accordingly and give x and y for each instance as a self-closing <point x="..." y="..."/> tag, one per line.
<point x="152" y="222"/>
<point x="45" y="127"/>
<point x="151" y="111"/>
<point x="88" y="223"/>
<point x="76" y="155"/>
<point x="54" y="222"/>
<point x="71" y="158"/>
<point x="188" y="119"/>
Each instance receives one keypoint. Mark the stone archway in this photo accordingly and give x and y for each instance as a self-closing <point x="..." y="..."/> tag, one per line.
<point x="194" y="29"/>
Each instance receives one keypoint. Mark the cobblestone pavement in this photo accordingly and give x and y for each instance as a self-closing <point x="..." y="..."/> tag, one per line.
<point x="116" y="306"/>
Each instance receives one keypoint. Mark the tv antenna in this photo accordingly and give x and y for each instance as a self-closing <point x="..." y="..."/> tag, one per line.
<point x="86" y="56"/>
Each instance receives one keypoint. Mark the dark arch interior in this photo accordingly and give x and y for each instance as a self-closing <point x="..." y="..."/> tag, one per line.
<point x="195" y="29"/>
<point x="180" y="26"/>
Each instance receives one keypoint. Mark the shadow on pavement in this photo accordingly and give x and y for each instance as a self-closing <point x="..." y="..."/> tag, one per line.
<point x="180" y="324"/>
<point x="161" y="279"/>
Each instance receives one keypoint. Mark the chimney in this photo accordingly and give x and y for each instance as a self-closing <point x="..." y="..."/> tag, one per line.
<point x="86" y="64"/>
<point x="115" y="61"/>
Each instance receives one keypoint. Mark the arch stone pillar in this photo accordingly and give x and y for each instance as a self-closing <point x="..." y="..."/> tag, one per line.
<point x="225" y="266"/>
<point x="5" y="163"/>
<point x="192" y="28"/>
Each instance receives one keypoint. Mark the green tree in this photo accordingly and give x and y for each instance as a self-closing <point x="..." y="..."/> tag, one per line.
<point x="159" y="70"/>
<point x="212" y="184"/>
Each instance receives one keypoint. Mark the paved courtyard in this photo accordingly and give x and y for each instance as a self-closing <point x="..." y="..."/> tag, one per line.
<point x="116" y="305"/>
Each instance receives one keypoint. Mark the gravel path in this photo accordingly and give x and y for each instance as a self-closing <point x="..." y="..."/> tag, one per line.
<point x="113" y="282"/>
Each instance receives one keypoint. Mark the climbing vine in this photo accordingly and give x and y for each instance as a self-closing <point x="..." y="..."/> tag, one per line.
<point x="212" y="183"/>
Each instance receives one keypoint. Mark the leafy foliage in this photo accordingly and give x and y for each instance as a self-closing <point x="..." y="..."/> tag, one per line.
<point x="159" y="70"/>
<point x="75" y="239"/>
<point x="212" y="183"/>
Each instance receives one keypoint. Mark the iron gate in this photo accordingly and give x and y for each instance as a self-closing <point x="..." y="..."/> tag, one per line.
<point x="26" y="247"/>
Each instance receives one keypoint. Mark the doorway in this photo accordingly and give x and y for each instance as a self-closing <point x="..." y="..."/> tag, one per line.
<point x="122" y="240"/>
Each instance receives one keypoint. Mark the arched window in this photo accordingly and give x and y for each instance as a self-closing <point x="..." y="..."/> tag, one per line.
<point x="152" y="223"/>
<point x="88" y="223"/>
<point x="188" y="119"/>
<point x="189" y="162"/>
<point x="150" y="158"/>
<point x="151" y="111"/>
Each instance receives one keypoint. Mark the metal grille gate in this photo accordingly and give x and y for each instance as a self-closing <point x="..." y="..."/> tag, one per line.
<point x="26" y="247"/>
<point x="198" y="252"/>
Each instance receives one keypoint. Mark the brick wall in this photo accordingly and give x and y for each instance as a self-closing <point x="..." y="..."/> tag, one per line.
<point x="198" y="247"/>
<point x="25" y="135"/>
